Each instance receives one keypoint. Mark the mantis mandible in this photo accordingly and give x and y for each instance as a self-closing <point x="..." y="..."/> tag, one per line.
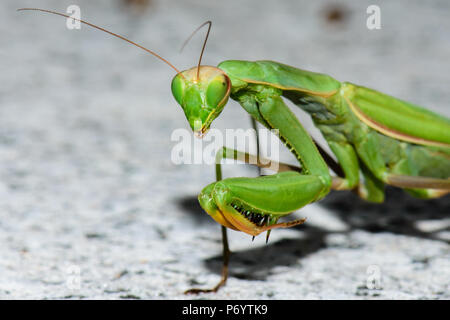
<point x="384" y="139"/>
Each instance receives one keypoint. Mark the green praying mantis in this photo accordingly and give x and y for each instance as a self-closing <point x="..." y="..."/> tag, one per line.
<point x="385" y="140"/>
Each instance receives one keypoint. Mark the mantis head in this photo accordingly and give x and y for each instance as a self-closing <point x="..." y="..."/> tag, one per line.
<point x="202" y="93"/>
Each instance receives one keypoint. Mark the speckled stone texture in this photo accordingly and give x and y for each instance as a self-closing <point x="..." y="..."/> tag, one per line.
<point x="92" y="207"/>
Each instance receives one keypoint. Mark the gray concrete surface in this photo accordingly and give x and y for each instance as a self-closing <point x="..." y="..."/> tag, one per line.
<point x="92" y="207"/>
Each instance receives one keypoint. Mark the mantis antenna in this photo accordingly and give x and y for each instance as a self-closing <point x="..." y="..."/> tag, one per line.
<point x="204" y="43"/>
<point x="104" y="30"/>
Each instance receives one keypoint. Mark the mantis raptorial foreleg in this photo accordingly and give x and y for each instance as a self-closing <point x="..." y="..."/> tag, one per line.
<point x="255" y="204"/>
<point x="260" y="162"/>
<point x="251" y="159"/>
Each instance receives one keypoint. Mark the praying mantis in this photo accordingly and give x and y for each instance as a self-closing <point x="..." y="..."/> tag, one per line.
<point x="385" y="140"/>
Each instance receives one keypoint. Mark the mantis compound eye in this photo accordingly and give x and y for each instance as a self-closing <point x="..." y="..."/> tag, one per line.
<point x="216" y="91"/>
<point x="178" y="87"/>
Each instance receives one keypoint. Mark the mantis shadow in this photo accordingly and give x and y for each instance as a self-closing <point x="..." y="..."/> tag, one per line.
<point x="399" y="214"/>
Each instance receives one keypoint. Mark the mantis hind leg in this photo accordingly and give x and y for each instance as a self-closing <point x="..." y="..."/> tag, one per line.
<point x="423" y="173"/>
<point x="421" y="187"/>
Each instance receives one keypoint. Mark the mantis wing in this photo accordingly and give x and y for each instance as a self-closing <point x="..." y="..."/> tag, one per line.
<point x="396" y="118"/>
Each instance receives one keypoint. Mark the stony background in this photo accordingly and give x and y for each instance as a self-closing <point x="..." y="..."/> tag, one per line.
<point x="89" y="196"/>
